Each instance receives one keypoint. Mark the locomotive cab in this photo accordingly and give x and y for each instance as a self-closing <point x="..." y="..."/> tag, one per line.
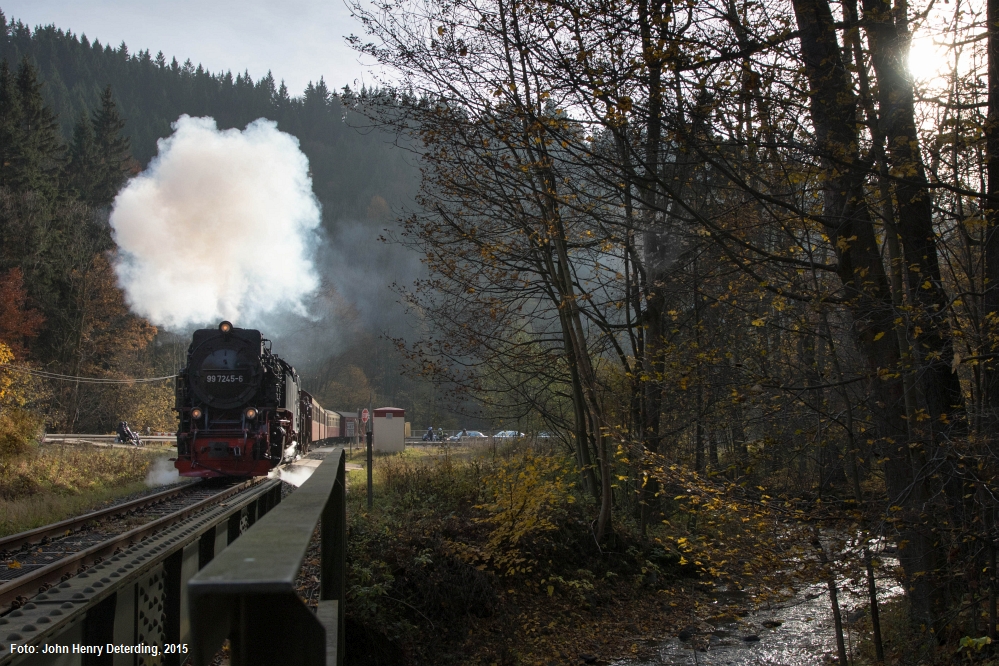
<point x="237" y="403"/>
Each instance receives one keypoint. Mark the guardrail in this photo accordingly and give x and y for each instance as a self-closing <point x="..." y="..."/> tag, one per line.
<point x="247" y="594"/>
<point x="50" y="438"/>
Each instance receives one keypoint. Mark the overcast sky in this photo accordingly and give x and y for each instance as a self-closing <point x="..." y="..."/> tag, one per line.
<point x="298" y="40"/>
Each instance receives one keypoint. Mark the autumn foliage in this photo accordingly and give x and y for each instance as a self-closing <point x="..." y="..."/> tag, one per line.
<point x="735" y="241"/>
<point x="18" y="427"/>
<point x="18" y="322"/>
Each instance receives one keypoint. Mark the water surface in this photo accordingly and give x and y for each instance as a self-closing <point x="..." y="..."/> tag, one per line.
<point x="796" y="632"/>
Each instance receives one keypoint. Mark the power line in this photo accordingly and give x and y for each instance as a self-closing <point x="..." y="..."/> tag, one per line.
<point x="84" y="380"/>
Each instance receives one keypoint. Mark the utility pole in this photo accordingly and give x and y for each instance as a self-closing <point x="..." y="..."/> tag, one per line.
<point x="358" y="432"/>
<point x="370" y="432"/>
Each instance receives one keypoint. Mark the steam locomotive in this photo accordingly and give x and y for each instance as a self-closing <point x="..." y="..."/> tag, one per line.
<point x="242" y="409"/>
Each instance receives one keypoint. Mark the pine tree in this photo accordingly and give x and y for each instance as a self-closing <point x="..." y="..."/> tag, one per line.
<point x="82" y="158"/>
<point x="35" y="151"/>
<point x="10" y="114"/>
<point x="4" y="29"/>
<point x="111" y="152"/>
<point x="267" y="83"/>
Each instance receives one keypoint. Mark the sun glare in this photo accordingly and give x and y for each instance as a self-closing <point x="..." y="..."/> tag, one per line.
<point x="927" y="60"/>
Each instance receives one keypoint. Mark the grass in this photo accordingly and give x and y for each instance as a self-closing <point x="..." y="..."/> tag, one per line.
<point x="54" y="482"/>
<point x="24" y="514"/>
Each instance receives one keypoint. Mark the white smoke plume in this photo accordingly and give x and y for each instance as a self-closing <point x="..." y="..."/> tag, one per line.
<point x="221" y="225"/>
<point x="162" y="473"/>
<point x="295" y="474"/>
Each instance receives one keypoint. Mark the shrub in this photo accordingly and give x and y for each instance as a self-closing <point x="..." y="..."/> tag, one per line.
<point x="526" y="493"/>
<point x="70" y="470"/>
<point x="443" y="484"/>
<point x="19" y="430"/>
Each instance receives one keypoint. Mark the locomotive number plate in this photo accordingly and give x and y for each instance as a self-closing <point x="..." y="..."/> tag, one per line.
<point x="219" y="378"/>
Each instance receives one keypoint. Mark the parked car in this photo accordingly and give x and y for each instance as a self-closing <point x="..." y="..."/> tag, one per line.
<point x="471" y="434"/>
<point x="508" y="434"/>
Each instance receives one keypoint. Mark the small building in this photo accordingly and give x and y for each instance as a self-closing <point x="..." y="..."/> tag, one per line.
<point x="350" y="426"/>
<point x="389" y="430"/>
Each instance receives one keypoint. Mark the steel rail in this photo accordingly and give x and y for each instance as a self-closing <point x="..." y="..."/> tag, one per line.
<point x="53" y="438"/>
<point x="28" y="584"/>
<point x="9" y="543"/>
<point x="135" y="598"/>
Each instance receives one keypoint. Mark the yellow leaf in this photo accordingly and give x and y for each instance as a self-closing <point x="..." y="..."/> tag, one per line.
<point x="551" y="590"/>
<point x="14" y="565"/>
<point x="879" y="336"/>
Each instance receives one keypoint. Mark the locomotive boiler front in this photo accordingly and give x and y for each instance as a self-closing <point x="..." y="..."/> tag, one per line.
<point x="237" y="404"/>
<point x="224" y="371"/>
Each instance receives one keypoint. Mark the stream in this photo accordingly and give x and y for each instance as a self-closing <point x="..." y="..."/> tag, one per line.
<point x="797" y="631"/>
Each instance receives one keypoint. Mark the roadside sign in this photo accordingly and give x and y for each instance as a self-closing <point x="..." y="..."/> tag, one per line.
<point x="364" y="416"/>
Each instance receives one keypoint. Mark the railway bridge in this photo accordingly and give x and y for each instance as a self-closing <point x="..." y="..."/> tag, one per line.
<point x="173" y="595"/>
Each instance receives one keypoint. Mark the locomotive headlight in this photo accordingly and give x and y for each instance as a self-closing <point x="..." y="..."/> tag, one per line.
<point x="225" y="327"/>
<point x="251" y="413"/>
<point x="196" y="413"/>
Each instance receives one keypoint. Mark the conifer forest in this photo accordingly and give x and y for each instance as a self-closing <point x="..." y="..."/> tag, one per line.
<point x="80" y="118"/>
<point x="734" y="264"/>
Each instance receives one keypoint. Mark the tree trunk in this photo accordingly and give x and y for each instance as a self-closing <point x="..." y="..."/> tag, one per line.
<point x="889" y="38"/>
<point x="579" y="414"/>
<point x="652" y="29"/>
<point x="847" y="220"/>
<point x="833" y="599"/>
<point x="990" y="301"/>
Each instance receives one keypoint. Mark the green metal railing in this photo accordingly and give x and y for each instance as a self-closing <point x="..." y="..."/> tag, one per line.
<point x="247" y="593"/>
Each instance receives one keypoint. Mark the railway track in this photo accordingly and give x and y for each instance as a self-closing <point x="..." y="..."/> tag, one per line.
<point x="33" y="561"/>
<point x="15" y="541"/>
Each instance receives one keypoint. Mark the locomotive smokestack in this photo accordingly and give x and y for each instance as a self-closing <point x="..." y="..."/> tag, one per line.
<point x="221" y="225"/>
